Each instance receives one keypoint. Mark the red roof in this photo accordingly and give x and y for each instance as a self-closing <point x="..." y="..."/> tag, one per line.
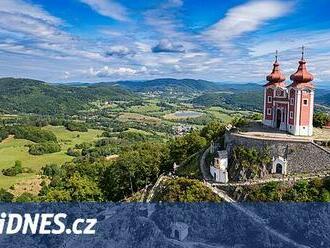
<point x="276" y="77"/>
<point x="302" y="78"/>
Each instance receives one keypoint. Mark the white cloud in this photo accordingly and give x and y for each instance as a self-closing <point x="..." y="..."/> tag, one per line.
<point x="166" y="46"/>
<point x="108" y="8"/>
<point x="245" y="18"/>
<point x="107" y="71"/>
<point x="19" y="7"/>
<point x="119" y="51"/>
<point x="29" y="30"/>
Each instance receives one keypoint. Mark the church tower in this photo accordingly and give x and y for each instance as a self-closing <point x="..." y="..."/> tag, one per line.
<point x="301" y="101"/>
<point x="275" y="99"/>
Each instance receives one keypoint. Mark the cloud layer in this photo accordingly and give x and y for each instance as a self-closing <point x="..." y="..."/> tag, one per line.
<point x="156" y="40"/>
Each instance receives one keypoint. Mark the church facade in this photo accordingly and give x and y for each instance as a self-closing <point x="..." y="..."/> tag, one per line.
<point x="289" y="107"/>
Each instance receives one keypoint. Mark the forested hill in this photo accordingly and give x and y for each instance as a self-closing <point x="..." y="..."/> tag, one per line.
<point x="247" y="100"/>
<point x="32" y="96"/>
<point x="167" y="84"/>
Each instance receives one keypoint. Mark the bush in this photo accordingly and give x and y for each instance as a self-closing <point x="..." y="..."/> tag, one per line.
<point x="13" y="171"/>
<point x="5" y="196"/>
<point x="44" y="148"/>
<point x="25" y="197"/>
<point x="73" y="152"/>
<point x="239" y="122"/>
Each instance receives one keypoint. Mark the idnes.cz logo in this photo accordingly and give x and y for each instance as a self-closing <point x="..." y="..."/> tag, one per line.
<point x="46" y="223"/>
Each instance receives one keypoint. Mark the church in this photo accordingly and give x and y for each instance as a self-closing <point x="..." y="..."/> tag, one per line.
<point x="289" y="107"/>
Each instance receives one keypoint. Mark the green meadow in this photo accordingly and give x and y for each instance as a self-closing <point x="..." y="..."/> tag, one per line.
<point x="13" y="149"/>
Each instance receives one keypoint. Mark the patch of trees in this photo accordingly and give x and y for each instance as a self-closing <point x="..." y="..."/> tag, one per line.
<point x="16" y="170"/>
<point x="44" y="148"/>
<point x="133" y="136"/>
<point x="321" y="119"/>
<point x="183" y="147"/>
<point x="76" y="126"/>
<point x="213" y="130"/>
<point x="185" y="190"/>
<point x="46" y="141"/>
<point x="137" y="167"/>
<point x="34" y="134"/>
<point x="72" y="182"/>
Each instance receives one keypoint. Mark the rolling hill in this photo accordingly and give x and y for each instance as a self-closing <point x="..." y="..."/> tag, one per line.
<point x="33" y="96"/>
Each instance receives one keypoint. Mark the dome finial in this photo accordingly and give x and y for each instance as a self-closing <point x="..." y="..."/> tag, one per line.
<point x="302" y="52"/>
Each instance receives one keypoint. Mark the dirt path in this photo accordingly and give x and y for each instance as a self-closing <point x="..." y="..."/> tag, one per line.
<point x="7" y="140"/>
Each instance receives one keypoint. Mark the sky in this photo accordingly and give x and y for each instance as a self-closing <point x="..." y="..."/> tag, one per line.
<point x="231" y="41"/>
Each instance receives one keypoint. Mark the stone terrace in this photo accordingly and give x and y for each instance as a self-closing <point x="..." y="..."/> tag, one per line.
<point x="259" y="131"/>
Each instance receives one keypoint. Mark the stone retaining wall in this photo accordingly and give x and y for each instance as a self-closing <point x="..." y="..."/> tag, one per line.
<point x="302" y="157"/>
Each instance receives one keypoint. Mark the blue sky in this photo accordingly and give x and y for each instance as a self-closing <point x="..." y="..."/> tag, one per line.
<point x="106" y="40"/>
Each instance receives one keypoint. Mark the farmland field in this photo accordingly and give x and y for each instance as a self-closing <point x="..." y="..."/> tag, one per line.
<point x="13" y="149"/>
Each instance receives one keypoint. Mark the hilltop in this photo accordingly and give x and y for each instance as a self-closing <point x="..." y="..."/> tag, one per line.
<point x="166" y="84"/>
<point x="19" y="95"/>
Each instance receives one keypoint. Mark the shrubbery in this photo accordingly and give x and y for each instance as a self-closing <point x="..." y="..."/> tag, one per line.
<point x="44" y="148"/>
<point x="76" y="126"/>
<point x="3" y="134"/>
<point x="5" y="196"/>
<point x="321" y="119"/>
<point x="34" y="134"/>
<point x="16" y="169"/>
<point x="73" y="152"/>
<point x="13" y="171"/>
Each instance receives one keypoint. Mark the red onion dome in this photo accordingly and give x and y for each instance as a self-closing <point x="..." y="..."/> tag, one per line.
<point x="302" y="75"/>
<point x="276" y="76"/>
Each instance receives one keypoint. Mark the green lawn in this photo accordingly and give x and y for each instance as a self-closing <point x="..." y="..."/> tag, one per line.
<point x="15" y="149"/>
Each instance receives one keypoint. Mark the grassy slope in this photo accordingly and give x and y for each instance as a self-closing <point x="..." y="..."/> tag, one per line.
<point x="13" y="149"/>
